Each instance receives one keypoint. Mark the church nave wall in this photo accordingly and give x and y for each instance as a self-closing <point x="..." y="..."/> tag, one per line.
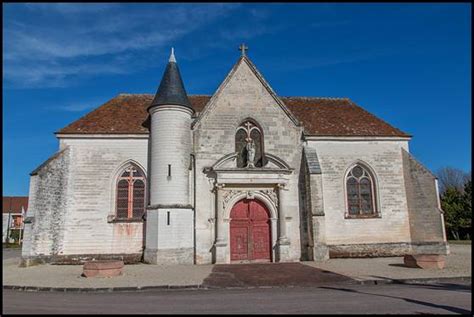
<point x="384" y="159"/>
<point x="94" y="167"/>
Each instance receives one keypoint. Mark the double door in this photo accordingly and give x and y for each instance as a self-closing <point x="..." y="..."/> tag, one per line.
<point x="250" y="235"/>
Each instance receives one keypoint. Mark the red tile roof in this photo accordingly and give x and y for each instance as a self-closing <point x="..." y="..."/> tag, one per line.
<point x="14" y="204"/>
<point x="126" y="114"/>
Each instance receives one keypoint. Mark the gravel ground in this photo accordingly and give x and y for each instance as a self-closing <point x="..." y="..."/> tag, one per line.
<point x="10" y="253"/>
<point x="458" y="263"/>
<point x="137" y="275"/>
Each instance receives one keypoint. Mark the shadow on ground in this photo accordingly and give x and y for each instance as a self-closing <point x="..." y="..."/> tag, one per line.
<point x="451" y="309"/>
<point x="463" y="287"/>
<point x="270" y="274"/>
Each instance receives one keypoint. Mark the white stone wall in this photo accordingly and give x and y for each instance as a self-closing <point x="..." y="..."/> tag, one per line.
<point x="426" y="217"/>
<point x="27" y="244"/>
<point x="169" y="236"/>
<point x="170" y="145"/>
<point x="243" y="95"/>
<point x="385" y="159"/>
<point x="176" y="234"/>
<point x="48" y="203"/>
<point x="94" y="166"/>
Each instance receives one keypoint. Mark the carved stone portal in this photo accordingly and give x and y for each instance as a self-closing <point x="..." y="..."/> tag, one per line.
<point x="228" y="195"/>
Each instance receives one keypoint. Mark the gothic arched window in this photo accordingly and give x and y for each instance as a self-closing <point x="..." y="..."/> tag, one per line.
<point x="360" y="191"/>
<point x="131" y="193"/>
<point x="249" y="145"/>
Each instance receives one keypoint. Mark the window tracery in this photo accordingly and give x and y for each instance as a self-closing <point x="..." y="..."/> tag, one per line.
<point x="360" y="193"/>
<point x="131" y="190"/>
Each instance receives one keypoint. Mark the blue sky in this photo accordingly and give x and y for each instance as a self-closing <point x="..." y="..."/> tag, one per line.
<point x="409" y="64"/>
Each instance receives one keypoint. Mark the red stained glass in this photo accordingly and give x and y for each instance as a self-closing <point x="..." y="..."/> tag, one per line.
<point x="122" y="199"/>
<point x="131" y="192"/>
<point x="138" y="198"/>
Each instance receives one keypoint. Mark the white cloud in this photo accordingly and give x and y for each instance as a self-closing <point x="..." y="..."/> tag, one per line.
<point x="46" y="51"/>
<point x="69" y="7"/>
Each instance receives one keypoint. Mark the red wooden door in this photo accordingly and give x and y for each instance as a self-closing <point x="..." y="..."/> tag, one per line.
<point x="250" y="231"/>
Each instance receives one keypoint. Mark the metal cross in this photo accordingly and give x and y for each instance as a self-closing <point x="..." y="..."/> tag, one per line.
<point x="243" y="48"/>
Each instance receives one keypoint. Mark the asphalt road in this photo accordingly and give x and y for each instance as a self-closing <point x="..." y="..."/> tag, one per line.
<point x="439" y="298"/>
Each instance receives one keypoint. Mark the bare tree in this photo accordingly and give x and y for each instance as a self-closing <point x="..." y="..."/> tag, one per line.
<point x="450" y="177"/>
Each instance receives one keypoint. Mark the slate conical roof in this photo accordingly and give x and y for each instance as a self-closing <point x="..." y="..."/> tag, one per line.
<point x="171" y="90"/>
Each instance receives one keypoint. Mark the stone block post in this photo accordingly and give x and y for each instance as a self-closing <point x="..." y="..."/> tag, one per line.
<point x="221" y="242"/>
<point x="283" y="241"/>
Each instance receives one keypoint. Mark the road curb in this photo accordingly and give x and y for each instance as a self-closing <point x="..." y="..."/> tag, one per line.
<point x="99" y="289"/>
<point x="415" y="280"/>
<point x="203" y="287"/>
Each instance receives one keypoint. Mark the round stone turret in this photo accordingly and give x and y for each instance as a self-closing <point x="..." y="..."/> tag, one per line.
<point x="170" y="140"/>
<point x="170" y="218"/>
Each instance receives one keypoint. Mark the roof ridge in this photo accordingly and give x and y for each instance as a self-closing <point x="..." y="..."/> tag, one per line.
<point x="210" y="95"/>
<point x="128" y="94"/>
<point x="313" y="97"/>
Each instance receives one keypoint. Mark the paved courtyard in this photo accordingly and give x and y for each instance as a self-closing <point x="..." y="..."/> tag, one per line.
<point x="271" y="274"/>
<point x="241" y="275"/>
<point x="458" y="264"/>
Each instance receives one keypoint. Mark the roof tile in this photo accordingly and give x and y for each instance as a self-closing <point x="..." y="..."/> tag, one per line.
<point x="14" y="204"/>
<point x="126" y="114"/>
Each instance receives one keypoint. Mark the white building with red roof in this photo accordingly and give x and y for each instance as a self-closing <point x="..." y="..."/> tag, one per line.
<point x="243" y="175"/>
<point x="13" y="210"/>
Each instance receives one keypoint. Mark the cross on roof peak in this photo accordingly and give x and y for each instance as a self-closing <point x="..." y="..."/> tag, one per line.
<point x="243" y="48"/>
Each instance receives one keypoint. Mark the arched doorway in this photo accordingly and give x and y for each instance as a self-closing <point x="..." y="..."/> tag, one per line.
<point x="250" y="234"/>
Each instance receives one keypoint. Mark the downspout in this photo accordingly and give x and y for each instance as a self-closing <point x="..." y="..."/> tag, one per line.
<point x="193" y="157"/>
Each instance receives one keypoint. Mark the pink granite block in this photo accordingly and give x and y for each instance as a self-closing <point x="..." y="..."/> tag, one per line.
<point x="425" y="261"/>
<point x="103" y="268"/>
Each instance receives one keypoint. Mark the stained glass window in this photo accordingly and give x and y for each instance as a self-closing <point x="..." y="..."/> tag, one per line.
<point x="360" y="191"/>
<point x="131" y="193"/>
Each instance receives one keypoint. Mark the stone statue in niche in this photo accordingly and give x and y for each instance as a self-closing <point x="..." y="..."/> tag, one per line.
<point x="250" y="153"/>
<point x="249" y="146"/>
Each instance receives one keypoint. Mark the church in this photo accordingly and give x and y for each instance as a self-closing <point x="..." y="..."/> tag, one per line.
<point x="241" y="176"/>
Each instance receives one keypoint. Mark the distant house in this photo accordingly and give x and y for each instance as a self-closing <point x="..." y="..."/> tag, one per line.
<point x="14" y="209"/>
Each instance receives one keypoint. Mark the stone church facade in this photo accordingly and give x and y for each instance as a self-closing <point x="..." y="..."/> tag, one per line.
<point x="242" y="175"/>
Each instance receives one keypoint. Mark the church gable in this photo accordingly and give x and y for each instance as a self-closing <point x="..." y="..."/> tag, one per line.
<point x="243" y="96"/>
<point x="244" y="78"/>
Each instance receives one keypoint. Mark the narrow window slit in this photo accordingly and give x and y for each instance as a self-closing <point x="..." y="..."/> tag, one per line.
<point x="168" y="218"/>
